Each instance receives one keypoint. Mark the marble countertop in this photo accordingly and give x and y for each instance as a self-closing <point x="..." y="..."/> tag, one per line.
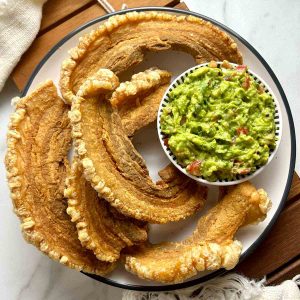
<point x="272" y="27"/>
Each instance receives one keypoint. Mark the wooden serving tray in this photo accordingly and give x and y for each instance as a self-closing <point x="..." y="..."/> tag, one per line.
<point x="277" y="257"/>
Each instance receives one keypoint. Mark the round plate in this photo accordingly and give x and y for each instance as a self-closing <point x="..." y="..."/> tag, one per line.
<point x="275" y="179"/>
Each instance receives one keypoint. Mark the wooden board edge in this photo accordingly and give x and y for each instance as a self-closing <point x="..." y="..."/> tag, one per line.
<point x="286" y="272"/>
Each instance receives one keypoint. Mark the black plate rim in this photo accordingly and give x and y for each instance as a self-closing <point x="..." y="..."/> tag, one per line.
<point x="263" y="235"/>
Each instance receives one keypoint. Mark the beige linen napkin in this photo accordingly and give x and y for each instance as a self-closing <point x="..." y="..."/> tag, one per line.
<point x="229" y="287"/>
<point x="19" y="24"/>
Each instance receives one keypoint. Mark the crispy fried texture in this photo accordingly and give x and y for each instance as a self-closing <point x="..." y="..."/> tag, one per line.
<point x="100" y="228"/>
<point x="211" y="246"/>
<point x="117" y="171"/>
<point x="143" y="113"/>
<point x="139" y="84"/>
<point x="38" y="140"/>
<point x="138" y="100"/>
<point x="122" y="41"/>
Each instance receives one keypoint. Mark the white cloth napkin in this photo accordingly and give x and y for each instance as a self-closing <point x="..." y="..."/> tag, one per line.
<point x="19" y="24"/>
<point x="229" y="287"/>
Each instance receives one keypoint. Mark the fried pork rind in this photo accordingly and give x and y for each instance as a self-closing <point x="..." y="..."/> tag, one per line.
<point x="135" y="117"/>
<point x="122" y="41"/>
<point x="100" y="228"/>
<point x="38" y="141"/>
<point x="211" y="246"/>
<point x="138" y="100"/>
<point x="139" y="84"/>
<point x="117" y="171"/>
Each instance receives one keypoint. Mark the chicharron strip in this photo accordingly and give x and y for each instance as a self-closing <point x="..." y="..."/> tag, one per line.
<point x="117" y="171"/>
<point x="211" y="246"/>
<point x="122" y="41"/>
<point x="39" y="138"/>
<point x="100" y="227"/>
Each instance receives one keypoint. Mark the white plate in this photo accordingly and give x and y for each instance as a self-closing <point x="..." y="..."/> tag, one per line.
<point x="275" y="179"/>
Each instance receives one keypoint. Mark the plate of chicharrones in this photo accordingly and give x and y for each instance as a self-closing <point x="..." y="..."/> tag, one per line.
<point x="152" y="149"/>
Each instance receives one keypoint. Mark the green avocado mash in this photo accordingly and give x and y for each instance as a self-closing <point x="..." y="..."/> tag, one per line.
<point x="219" y="123"/>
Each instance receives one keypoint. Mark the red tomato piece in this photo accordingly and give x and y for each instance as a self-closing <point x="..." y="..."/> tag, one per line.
<point x="194" y="167"/>
<point x="242" y="130"/>
<point x="244" y="171"/>
<point x="246" y="83"/>
<point x="241" y="68"/>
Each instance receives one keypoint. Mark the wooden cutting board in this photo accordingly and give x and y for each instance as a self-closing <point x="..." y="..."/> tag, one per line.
<point x="277" y="257"/>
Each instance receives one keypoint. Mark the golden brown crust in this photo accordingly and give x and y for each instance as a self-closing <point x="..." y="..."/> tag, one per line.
<point x="140" y="84"/>
<point x="100" y="83"/>
<point x="138" y="100"/>
<point x="119" y="174"/>
<point x="143" y="113"/>
<point x="210" y="247"/>
<point x="122" y="40"/>
<point x="176" y="262"/>
<point x="36" y="161"/>
<point x="100" y="229"/>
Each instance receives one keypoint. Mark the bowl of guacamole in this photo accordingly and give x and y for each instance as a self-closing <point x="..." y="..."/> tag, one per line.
<point x="219" y="123"/>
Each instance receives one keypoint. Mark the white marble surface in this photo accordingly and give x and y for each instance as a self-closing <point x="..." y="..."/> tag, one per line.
<point x="272" y="27"/>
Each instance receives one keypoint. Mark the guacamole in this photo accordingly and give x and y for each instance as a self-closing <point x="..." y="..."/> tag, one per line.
<point x="219" y="123"/>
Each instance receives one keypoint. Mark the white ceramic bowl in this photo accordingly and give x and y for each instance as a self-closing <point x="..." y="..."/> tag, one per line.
<point x="239" y="178"/>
